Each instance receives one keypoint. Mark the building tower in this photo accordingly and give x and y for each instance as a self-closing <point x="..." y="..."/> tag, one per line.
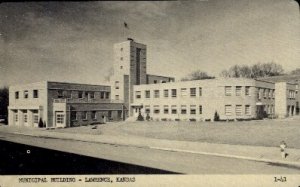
<point x="130" y="68"/>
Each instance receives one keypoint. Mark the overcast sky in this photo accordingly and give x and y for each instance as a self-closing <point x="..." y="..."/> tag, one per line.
<point x="73" y="42"/>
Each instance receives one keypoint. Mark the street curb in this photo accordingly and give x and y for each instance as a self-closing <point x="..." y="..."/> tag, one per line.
<point x="228" y="156"/>
<point x="177" y="150"/>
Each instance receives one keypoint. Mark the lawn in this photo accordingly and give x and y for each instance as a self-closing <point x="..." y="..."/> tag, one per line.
<point x="259" y="133"/>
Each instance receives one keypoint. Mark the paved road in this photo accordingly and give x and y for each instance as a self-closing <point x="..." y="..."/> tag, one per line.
<point x="162" y="161"/>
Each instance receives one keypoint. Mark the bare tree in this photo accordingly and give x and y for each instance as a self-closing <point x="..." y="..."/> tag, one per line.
<point x="197" y="75"/>
<point x="255" y="71"/>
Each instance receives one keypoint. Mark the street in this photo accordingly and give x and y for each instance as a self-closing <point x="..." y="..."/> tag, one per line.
<point x="139" y="160"/>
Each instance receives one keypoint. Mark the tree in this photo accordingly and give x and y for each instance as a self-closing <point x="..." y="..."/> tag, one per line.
<point x="197" y="75"/>
<point x="4" y="101"/>
<point x="255" y="71"/>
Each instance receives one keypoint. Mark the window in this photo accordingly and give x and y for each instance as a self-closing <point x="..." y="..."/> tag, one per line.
<point x="121" y="67"/>
<point x="228" y="110"/>
<point x="60" y="118"/>
<point x="247" y="110"/>
<point x="121" y="49"/>
<point x="92" y="95"/>
<point x="247" y="90"/>
<point x="265" y="93"/>
<point x="193" y="92"/>
<point x="117" y="97"/>
<point x="272" y="109"/>
<point x="117" y="84"/>
<point x="106" y="95"/>
<point x="121" y="58"/>
<point x="17" y="95"/>
<point x="147" y="94"/>
<point x="156" y="93"/>
<point x="16" y="117"/>
<point x="173" y="109"/>
<point x="102" y="95"/>
<point x="270" y="94"/>
<point x="166" y="93"/>
<point x="192" y="109"/>
<point x="238" y="110"/>
<point x="138" y="94"/>
<point x="259" y="90"/>
<point x="147" y="109"/>
<point x="26" y="94"/>
<point x="35" y="118"/>
<point x="156" y="109"/>
<point x="25" y="117"/>
<point x="35" y="94"/>
<point x="238" y="90"/>
<point x="183" y="92"/>
<point x="93" y="115"/>
<point x="228" y="90"/>
<point x="73" y="115"/>
<point x="200" y="91"/>
<point x="200" y="109"/>
<point x="84" y="115"/>
<point x="273" y="94"/>
<point x="155" y="81"/>
<point x="166" y="109"/>
<point x="80" y="94"/>
<point x="183" y="109"/>
<point x="60" y="94"/>
<point x="174" y="93"/>
<point x="67" y="94"/>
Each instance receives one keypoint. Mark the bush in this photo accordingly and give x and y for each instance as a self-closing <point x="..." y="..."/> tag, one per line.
<point x="41" y="124"/>
<point x="192" y="119"/>
<point x="216" y="116"/>
<point x="140" y="117"/>
<point x="148" y="117"/>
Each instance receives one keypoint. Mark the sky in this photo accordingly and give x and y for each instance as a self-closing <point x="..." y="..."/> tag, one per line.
<point x="73" y="41"/>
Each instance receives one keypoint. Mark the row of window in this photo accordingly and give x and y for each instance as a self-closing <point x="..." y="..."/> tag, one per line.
<point x="174" y="110"/>
<point x="266" y="93"/>
<point x="170" y="93"/>
<point x="35" y="94"/>
<point x="238" y="90"/>
<point x="238" y="110"/>
<point x="25" y="117"/>
<point x="81" y="94"/>
<point x="292" y="94"/>
<point x="84" y="115"/>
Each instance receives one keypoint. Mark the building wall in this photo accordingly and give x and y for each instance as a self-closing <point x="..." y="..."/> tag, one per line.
<point x="285" y="99"/>
<point x="29" y="106"/>
<point x="213" y="99"/>
<point x="104" y="112"/>
<point x="69" y="93"/>
<point x="129" y="59"/>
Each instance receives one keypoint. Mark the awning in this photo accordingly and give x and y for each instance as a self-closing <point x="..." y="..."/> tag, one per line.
<point x="136" y="105"/>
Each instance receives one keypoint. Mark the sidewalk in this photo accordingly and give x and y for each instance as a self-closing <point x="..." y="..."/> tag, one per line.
<point x="255" y="153"/>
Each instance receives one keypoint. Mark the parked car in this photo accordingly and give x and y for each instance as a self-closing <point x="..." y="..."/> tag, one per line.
<point x="3" y="119"/>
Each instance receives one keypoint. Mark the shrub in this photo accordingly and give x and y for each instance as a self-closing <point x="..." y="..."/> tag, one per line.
<point x="216" y="116"/>
<point x="41" y="124"/>
<point x="148" y="117"/>
<point x="192" y="119"/>
<point x="140" y="117"/>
